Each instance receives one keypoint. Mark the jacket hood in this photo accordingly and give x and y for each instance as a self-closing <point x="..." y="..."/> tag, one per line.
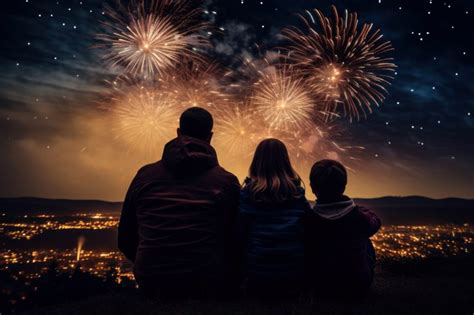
<point x="189" y="155"/>
<point x="334" y="211"/>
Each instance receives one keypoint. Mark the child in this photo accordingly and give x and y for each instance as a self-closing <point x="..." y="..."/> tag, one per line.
<point x="340" y="258"/>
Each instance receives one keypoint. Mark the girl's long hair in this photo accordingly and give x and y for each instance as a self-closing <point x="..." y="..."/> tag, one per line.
<point x="271" y="176"/>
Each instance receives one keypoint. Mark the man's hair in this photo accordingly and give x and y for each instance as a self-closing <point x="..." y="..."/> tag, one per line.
<point x="328" y="178"/>
<point x="196" y="122"/>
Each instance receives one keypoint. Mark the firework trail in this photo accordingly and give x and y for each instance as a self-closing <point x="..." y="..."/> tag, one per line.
<point x="149" y="37"/>
<point x="342" y="62"/>
<point x="80" y="243"/>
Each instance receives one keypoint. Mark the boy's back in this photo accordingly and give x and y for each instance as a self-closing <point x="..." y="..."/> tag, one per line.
<point x="340" y="258"/>
<point x="338" y="250"/>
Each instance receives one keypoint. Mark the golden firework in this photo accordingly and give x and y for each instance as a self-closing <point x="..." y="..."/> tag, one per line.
<point x="150" y="37"/>
<point x="197" y="84"/>
<point x="145" y="118"/>
<point x="342" y="62"/>
<point x="237" y="131"/>
<point x="282" y="99"/>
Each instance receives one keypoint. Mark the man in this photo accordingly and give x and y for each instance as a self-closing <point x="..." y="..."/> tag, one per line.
<point x="178" y="217"/>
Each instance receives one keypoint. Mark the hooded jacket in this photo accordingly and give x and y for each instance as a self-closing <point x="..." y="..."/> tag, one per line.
<point x="179" y="214"/>
<point x="336" y="243"/>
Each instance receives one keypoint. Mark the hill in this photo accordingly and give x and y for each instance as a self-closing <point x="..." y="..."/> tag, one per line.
<point x="392" y="210"/>
<point x="421" y="210"/>
<point x="443" y="286"/>
<point x="26" y="205"/>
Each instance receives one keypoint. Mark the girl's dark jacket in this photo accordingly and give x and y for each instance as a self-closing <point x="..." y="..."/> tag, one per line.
<point x="271" y="235"/>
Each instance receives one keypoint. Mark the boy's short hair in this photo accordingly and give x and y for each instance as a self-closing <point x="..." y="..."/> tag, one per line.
<point x="328" y="178"/>
<point x="196" y="122"/>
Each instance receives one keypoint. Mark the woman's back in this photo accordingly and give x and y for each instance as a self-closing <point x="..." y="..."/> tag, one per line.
<point x="273" y="239"/>
<point x="272" y="206"/>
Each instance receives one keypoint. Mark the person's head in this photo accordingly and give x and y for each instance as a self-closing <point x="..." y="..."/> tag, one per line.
<point x="196" y="122"/>
<point x="272" y="178"/>
<point x="328" y="179"/>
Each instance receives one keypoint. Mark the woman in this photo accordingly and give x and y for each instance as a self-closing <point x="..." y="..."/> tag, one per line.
<point x="272" y="204"/>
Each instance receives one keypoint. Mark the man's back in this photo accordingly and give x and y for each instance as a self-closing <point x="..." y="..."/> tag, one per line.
<point x="179" y="215"/>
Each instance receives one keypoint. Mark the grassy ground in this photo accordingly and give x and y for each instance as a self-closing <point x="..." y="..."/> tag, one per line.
<point x="438" y="287"/>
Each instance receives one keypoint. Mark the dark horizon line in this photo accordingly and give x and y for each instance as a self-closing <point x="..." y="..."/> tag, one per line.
<point x="356" y="198"/>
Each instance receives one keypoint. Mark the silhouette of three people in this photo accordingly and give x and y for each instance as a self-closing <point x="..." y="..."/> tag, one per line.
<point x="191" y="229"/>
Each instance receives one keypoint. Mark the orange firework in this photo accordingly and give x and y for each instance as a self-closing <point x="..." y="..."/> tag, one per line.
<point x="150" y="37"/>
<point x="342" y="63"/>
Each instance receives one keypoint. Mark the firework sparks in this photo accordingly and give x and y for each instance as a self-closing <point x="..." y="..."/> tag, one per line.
<point x="197" y="84"/>
<point x="282" y="99"/>
<point x="342" y="62"/>
<point x="337" y="70"/>
<point x="144" y="117"/>
<point x="237" y="132"/>
<point x="150" y="37"/>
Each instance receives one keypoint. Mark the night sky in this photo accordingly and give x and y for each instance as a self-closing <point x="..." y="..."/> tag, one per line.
<point x="56" y="143"/>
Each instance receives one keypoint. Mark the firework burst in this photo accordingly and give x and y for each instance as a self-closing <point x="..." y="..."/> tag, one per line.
<point x="144" y="117"/>
<point x="197" y="84"/>
<point x="236" y="132"/>
<point x="150" y="37"/>
<point x="342" y="62"/>
<point x="328" y="71"/>
<point x="282" y="99"/>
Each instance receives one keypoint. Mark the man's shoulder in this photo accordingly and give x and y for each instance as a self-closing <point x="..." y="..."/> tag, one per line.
<point x="224" y="175"/>
<point x="216" y="175"/>
<point x="148" y="169"/>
